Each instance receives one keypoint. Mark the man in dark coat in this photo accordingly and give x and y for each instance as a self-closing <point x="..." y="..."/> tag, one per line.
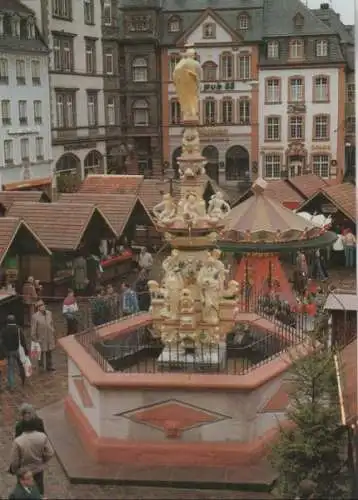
<point x="25" y="487"/>
<point x="143" y="291"/>
<point x="12" y="338"/>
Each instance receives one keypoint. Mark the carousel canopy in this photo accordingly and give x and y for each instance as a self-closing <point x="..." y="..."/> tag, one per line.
<point x="261" y="219"/>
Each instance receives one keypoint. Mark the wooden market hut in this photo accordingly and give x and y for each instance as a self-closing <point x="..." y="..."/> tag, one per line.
<point x="41" y="185"/>
<point x="342" y="306"/>
<point x="67" y="229"/>
<point x="8" y="198"/>
<point x="339" y="201"/>
<point x="20" y="247"/>
<point x="126" y="213"/>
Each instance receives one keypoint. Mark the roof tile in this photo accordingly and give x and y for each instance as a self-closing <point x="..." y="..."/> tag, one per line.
<point x="7" y="198"/>
<point x="59" y="225"/>
<point x="344" y="196"/>
<point x="101" y="184"/>
<point x="117" y="208"/>
<point x="307" y="185"/>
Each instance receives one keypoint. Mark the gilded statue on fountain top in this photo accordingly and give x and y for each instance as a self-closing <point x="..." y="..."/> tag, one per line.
<point x="186" y="78"/>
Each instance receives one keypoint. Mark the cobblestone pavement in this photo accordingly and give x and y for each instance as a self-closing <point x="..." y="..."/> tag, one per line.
<point x="44" y="389"/>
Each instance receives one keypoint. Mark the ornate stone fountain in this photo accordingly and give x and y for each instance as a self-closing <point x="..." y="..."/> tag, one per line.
<point x="193" y="307"/>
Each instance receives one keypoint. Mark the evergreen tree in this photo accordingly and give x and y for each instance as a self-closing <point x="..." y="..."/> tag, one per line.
<point x="314" y="447"/>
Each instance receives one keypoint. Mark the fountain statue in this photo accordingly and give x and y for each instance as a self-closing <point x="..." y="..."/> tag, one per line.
<point x="196" y="307"/>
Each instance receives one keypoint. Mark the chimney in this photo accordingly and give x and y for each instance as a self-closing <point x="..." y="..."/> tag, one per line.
<point x="324" y="6"/>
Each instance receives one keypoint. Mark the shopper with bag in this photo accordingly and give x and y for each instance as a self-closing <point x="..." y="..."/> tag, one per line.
<point x="70" y="312"/>
<point x="14" y="345"/>
<point x="43" y="332"/>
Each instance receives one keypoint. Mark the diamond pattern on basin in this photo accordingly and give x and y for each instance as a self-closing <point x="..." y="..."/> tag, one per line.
<point x="183" y="415"/>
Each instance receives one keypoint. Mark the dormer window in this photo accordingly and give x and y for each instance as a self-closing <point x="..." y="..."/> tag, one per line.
<point x="322" y="48"/>
<point x="7" y="25"/>
<point x="209" y="30"/>
<point x="296" y="49"/>
<point x="298" y="20"/>
<point x="243" y="22"/>
<point x="273" y="49"/>
<point x="174" y="25"/>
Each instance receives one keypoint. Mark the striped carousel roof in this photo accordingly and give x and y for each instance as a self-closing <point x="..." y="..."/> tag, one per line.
<point x="262" y="219"/>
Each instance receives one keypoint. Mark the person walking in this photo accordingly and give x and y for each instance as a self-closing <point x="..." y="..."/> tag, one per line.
<point x="100" y="311"/>
<point x="27" y="412"/>
<point x="70" y="312"/>
<point x="13" y="344"/>
<point x="113" y="302"/>
<point x="145" y="261"/>
<point x="25" y="488"/>
<point x="129" y="300"/>
<point x="43" y="332"/>
<point x="349" y="244"/>
<point x="31" y="451"/>
<point x="143" y="291"/>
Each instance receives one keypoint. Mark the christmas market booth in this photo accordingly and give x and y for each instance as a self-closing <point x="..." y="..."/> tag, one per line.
<point x="338" y="201"/>
<point x="257" y="232"/>
<point x="21" y="249"/>
<point x="342" y="306"/>
<point x="73" y="232"/>
<point x="126" y="213"/>
<point x="8" y="198"/>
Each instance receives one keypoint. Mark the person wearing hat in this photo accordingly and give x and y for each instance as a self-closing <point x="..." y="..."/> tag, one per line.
<point x="12" y="337"/>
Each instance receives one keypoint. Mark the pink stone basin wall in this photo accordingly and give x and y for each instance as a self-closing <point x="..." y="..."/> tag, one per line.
<point x="173" y="418"/>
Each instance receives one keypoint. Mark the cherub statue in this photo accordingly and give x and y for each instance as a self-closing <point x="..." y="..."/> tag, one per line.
<point x="214" y="260"/>
<point x="165" y="211"/>
<point x="193" y="209"/>
<point x="218" y="208"/>
<point x="232" y="289"/>
<point x="174" y="284"/>
<point x="209" y="283"/>
<point x="171" y="262"/>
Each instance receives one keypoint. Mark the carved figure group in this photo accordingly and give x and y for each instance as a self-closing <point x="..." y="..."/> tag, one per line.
<point x="165" y="211"/>
<point x="218" y="207"/>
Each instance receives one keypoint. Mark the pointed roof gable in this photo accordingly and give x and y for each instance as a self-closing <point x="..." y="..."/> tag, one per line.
<point x="208" y="13"/>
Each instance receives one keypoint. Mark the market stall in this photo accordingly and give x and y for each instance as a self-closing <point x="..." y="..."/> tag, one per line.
<point x="21" y="252"/>
<point x="70" y="231"/>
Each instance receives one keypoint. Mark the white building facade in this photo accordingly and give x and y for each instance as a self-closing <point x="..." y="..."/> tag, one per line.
<point x="298" y="121"/>
<point x="25" y="123"/>
<point x="73" y="29"/>
<point x="228" y="94"/>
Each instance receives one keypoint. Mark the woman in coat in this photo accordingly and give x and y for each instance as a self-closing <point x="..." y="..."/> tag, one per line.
<point x="43" y="332"/>
<point x="28" y="412"/>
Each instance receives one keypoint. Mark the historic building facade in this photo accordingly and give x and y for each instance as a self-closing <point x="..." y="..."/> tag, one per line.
<point x="302" y="95"/>
<point x="25" y="126"/>
<point x="73" y="31"/>
<point x="227" y="48"/>
<point x="130" y="42"/>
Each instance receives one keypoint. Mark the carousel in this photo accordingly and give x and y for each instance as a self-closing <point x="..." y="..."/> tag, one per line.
<point x="258" y="231"/>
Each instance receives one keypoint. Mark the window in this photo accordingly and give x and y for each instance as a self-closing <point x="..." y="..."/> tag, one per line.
<point x="273" y="91"/>
<point x="30" y="28"/>
<point x="8" y="151"/>
<point x="322" y="48"/>
<point x="173" y="61"/>
<point x="296" y="49"/>
<point x="140" y="69"/>
<point x="63" y="54"/>
<point x="209" y="72"/>
<point x="273" y="50"/>
<point x="107" y="12"/>
<point x="140" y="113"/>
<point x="65" y="107"/>
<point x="174" y="25"/>
<point x="209" y="111"/>
<point x="244" y="111"/>
<point x="6" y="112"/>
<point x="351" y="92"/>
<point x="39" y="148"/>
<point x="111" y="111"/>
<point x="62" y="8"/>
<point x="93" y="163"/>
<point x="321" y="89"/>
<point x="140" y="24"/>
<point x="92" y="109"/>
<point x="209" y="30"/>
<point x="273" y="128"/>
<point x="320" y="165"/>
<point x="175" y="113"/>
<point x="88" y="11"/>
<point x="296" y="127"/>
<point x="38" y="112"/>
<point x="244" y="67"/>
<point x="227" y="66"/>
<point x="4" y="71"/>
<point x="23" y="112"/>
<point x="273" y="166"/>
<point x="24" y="148"/>
<point x="36" y="72"/>
<point x="296" y="90"/>
<point x="243" y="22"/>
<point x="90" y="56"/>
<point x="351" y="125"/>
<point x="108" y="62"/>
<point x="321" y="127"/>
<point x="20" y="72"/>
<point x="227" y="111"/>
